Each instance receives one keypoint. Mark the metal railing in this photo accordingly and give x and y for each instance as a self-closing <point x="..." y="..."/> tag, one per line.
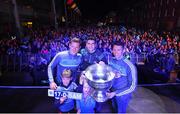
<point x="138" y="59"/>
<point x="14" y="62"/>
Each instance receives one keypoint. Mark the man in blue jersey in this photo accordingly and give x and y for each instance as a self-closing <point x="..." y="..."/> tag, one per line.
<point x="70" y="59"/>
<point x="90" y="54"/>
<point x="125" y="80"/>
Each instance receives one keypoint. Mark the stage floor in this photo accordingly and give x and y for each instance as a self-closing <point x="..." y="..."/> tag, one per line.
<point x="146" y="99"/>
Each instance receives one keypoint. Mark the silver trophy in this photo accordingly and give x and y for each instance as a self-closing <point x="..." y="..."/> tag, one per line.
<point x="100" y="78"/>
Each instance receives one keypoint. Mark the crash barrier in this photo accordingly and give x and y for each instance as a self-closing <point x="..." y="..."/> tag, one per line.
<point x="15" y="62"/>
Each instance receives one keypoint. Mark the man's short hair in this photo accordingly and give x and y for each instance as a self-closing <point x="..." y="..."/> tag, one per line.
<point x="91" y="38"/>
<point x="75" y="39"/>
<point x="118" y="43"/>
<point x="66" y="73"/>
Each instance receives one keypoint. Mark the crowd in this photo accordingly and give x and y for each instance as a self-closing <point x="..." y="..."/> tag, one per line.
<point x="72" y="50"/>
<point x="47" y="42"/>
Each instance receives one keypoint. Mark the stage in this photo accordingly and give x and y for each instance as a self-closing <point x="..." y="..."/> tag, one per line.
<point x="149" y="98"/>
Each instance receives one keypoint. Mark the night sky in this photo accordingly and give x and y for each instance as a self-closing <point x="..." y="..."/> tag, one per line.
<point x="99" y="8"/>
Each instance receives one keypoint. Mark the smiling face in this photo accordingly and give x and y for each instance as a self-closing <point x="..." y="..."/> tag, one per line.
<point x="74" y="48"/>
<point x="66" y="80"/>
<point x="66" y="77"/>
<point x="91" y="46"/>
<point x="118" y="51"/>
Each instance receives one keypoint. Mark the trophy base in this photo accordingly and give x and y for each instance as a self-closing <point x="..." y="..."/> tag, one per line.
<point x="100" y="96"/>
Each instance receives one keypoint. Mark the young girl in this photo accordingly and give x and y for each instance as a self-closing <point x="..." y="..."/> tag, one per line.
<point x="87" y="103"/>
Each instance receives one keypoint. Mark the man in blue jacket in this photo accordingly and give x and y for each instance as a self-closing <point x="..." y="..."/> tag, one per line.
<point x="90" y="54"/>
<point x="125" y="80"/>
<point x="70" y="59"/>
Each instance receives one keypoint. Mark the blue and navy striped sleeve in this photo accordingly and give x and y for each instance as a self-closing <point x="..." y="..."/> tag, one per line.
<point x="52" y="65"/>
<point x="132" y="80"/>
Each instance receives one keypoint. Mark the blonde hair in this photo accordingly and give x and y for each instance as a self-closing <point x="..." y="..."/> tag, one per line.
<point x="66" y="73"/>
<point x="75" y="39"/>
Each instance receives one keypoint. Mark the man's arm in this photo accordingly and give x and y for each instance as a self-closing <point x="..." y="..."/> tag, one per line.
<point x="51" y="66"/>
<point x="132" y="78"/>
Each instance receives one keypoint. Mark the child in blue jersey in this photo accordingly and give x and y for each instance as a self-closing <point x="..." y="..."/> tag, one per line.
<point x="87" y="103"/>
<point x="64" y="104"/>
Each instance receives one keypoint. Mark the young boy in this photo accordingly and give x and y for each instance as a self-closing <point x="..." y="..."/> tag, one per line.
<point x="87" y="103"/>
<point x="64" y="104"/>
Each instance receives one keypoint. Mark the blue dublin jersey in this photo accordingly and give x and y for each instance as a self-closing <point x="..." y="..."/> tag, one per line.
<point x="127" y="82"/>
<point x="64" y="60"/>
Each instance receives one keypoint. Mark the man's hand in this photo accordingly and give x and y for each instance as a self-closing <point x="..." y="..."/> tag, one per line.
<point x="117" y="74"/>
<point x="62" y="99"/>
<point x="78" y="111"/>
<point x="82" y="78"/>
<point x="102" y="63"/>
<point x="53" y="85"/>
<point x="110" y="95"/>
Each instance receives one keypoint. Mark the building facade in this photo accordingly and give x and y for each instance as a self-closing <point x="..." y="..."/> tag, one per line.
<point x="155" y="14"/>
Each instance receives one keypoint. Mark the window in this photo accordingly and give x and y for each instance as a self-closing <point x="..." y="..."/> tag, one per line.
<point x="157" y="24"/>
<point x="173" y="11"/>
<point x="161" y="2"/>
<point x="159" y="13"/>
<point x="165" y="14"/>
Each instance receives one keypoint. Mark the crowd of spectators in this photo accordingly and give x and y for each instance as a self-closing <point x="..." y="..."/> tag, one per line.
<point x="45" y="43"/>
